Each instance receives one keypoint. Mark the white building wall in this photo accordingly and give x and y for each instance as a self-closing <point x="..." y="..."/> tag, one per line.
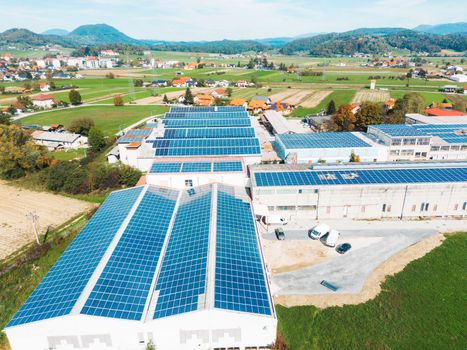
<point x="204" y="329"/>
<point x="178" y="180"/>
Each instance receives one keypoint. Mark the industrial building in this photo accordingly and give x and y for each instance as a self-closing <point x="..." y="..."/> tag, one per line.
<point x="221" y="132"/>
<point x="362" y="191"/>
<point x="182" y="269"/>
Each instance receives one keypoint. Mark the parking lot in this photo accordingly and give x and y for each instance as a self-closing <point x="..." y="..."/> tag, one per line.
<point x="298" y="264"/>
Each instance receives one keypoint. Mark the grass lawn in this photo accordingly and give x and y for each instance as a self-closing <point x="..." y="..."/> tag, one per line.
<point x="110" y="119"/>
<point x="340" y="97"/>
<point x="422" y="307"/>
<point x="70" y="154"/>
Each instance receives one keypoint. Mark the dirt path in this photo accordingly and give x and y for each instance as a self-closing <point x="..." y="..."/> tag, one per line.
<point x="170" y="95"/>
<point x="16" y="228"/>
<point x="372" y="286"/>
<point x="315" y="99"/>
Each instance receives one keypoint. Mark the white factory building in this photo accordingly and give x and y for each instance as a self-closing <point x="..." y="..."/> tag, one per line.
<point x="182" y="269"/>
<point x="362" y="191"/>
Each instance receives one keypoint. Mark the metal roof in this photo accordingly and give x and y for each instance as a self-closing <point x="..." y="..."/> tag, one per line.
<point x="321" y="140"/>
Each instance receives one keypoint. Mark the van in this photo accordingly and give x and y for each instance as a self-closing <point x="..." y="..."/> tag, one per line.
<point x="318" y="231"/>
<point x="331" y="238"/>
<point x="274" y="220"/>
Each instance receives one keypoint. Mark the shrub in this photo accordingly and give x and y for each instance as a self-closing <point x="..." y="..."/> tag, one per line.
<point x="128" y="176"/>
<point x="81" y="126"/>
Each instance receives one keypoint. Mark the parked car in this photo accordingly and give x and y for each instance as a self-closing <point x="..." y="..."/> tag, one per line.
<point x="331" y="238"/>
<point x="318" y="231"/>
<point x="274" y="220"/>
<point x="343" y="248"/>
<point x="280" y="235"/>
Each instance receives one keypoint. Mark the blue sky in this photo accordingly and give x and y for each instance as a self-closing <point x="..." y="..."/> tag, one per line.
<point x="231" y="19"/>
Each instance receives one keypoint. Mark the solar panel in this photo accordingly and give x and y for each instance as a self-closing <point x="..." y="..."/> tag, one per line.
<point x="122" y="289"/>
<point x="200" y="133"/>
<point x="62" y="286"/>
<point x="240" y="283"/>
<point x="166" y="168"/>
<point x="182" y="279"/>
<point x="208" y="109"/>
<point x="321" y="140"/>
<point x="216" y="151"/>
<point x="398" y="130"/>
<point x="205" y="115"/>
<point x="373" y="176"/>
<point x="130" y="139"/>
<point x="203" y="123"/>
<point x="228" y="166"/>
<point x="138" y="132"/>
<point x="202" y="143"/>
<point x="451" y="133"/>
<point x="196" y="167"/>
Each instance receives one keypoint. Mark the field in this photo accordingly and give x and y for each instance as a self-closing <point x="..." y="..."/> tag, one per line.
<point x="371" y="95"/>
<point x="16" y="228"/>
<point x="339" y="96"/>
<point x="419" y="308"/>
<point x="109" y="119"/>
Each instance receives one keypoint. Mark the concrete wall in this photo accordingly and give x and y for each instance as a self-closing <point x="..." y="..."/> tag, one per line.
<point x="204" y="329"/>
<point x="365" y="202"/>
<point x="178" y="180"/>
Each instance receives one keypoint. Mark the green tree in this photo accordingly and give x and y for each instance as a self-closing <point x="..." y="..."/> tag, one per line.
<point x="5" y="118"/>
<point x="331" y="108"/>
<point x="189" y="99"/>
<point x="18" y="154"/>
<point x="118" y="101"/>
<point x="369" y="113"/>
<point x="138" y="82"/>
<point x="344" y="118"/>
<point x="254" y="79"/>
<point x="128" y="176"/>
<point x="461" y="105"/>
<point x="229" y="91"/>
<point x="166" y="99"/>
<point x="410" y="103"/>
<point x="150" y="346"/>
<point x="81" y="126"/>
<point x="96" y="139"/>
<point x="354" y="158"/>
<point x="75" y="97"/>
<point x="24" y="101"/>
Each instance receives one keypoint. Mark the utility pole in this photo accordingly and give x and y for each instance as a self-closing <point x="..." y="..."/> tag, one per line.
<point x="34" y="217"/>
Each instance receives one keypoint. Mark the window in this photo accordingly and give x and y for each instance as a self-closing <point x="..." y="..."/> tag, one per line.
<point x="407" y="152"/>
<point x="304" y="191"/>
<point x="384" y="208"/>
<point x="285" y="207"/>
<point x="424" y="141"/>
<point x="424" y="206"/>
<point x="306" y="207"/>
<point x="271" y="208"/>
<point x="409" y="141"/>
<point x="444" y="148"/>
<point x="434" y="148"/>
<point x="414" y="207"/>
<point x="464" y="206"/>
<point x="396" y="142"/>
<point x="456" y="206"/>
<point x="188" y="183"/>
<point x="395" y="152"/>
<point x="455" y="148"/>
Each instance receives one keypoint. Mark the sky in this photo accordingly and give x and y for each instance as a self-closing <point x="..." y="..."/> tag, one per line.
<point x="191" y="20"/>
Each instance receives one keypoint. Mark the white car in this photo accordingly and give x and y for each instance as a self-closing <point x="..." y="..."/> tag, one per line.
<point x="274" y="220"/>
<point x="331" y="238"/>
<point x="318" y="231"/>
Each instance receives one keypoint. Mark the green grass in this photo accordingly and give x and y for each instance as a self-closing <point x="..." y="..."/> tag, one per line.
<point x="340" y="97"/>
<point x="422" y="307"/>
<point x="109" y="119"/>
<point x="70" y="154"/>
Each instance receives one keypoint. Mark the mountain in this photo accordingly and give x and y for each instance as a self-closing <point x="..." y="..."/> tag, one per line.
<point x="56" y="31"/>
<point x="26" y="37"/>
<point x="375" y="41"/>
<point x="222" y="46"/>
<point x="443" y="29"/>
<point x="99" y="34"/>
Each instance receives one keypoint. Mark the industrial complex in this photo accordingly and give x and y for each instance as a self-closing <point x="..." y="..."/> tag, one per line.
<point x="178" y="261"/>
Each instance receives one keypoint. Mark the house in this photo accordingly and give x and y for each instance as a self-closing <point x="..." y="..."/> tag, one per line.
<point x="239" y="102"/>
<point x="459" y="78"/>
<point x="257" y="106"/>
<point x="59" y="140"/>
<point x="211" y="83"/>
<point x="204" y="100"/>
<point x="442" y="105"/>
<point x="14" y="90"/>
<point x="109" y="53"/>
<point x="390" y="104"/>
<point x="160" y="83"/>
<point x="181" y="82"/>
<point x="242" y="84"/>
<point x="191" y="83"/>
<point x="219" y="93"/>
<point x="113" y="156"/>
<point x="44" y="87"/>
<point x="264" y="99"/>
<point x="438" y="112"/>
<point x="191" y="66"/>
<point x="282" y="107"/>
<point x="43" y="101"/>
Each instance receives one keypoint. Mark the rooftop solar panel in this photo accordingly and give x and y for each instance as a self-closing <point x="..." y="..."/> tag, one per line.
<point x="228" y="166"/>
<point x="321" y="140"/>
<point x="202" y="143"/>
<point x="62" y="286"/>
<point x="206" y="115"/>
<point x="125" y="139"/>
<point x="207" y="109"/>
<point x="398" y="130"/>
<point x="215" y="151"/>
<point x="240" y="283"/>
<point x="200" y="133"/>
<point x="166" y="168"/>
<point x="196" y="167"/>
<point x="122" y="289"/>
<point x="373" y="176"/>
<point x="182" y="279"/>
<point x="203" y="123"/>
<point x="138" y="132"/>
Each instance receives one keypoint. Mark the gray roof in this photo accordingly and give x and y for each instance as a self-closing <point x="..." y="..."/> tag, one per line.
<point x="55" y="136"/>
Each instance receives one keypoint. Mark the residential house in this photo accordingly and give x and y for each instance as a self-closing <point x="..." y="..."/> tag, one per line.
<point x="442" y="105"/>
<point x="239" y="102"/>
<point x="44" y="87"/>
<point x="160" y="83"/>
<point x="211" y="83"/>
<point x="43" y="101"/>
<point x="181" y="82"/>
<point x="257" y="106"/>
<point x="15" y="90"/>
<point x="242" y="84"/>
<point x="204" y="100"/>
<point x="219" y="93"/>
<point x="266" y="100"/>
<point x="283" y="107"/>
<point x="450" y="89"/>
<point x="438" y="112"/>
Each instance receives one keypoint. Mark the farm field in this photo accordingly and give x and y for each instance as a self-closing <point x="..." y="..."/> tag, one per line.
<point x="419" y="308"/>
<point x="339" y="96"/>
<point x="371" y="95"/>
<point x="16" y="228"/>
<point x="109" y="119"/>
<point x="137" y="95"/>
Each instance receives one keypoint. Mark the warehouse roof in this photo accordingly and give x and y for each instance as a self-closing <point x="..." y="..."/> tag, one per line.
<point x="117" y="264"/>
<point x="321" y="140"/>
<point x="398" y="130"/>
<point x="55" y="136"/>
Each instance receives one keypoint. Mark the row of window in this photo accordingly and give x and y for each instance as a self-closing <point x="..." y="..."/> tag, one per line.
<point x="448" y="148"/>
<point x="410" y="141"/>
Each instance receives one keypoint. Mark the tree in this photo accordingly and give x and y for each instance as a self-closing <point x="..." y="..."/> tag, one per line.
<point x="110" y="75"/>
<point x="75" y="97"/>
<point x="344" y="118"/>
<point x="128" y="176"/>
<point x="354" y="158"/>
<point x="5" y="118"/>
<point x="24" y="101"/>
<point x="410" y="103"/>
<point x="229" y="91"/>
<point x="369" y="113"/>
<point x="138" y="82"/>
<point x="189" y="100"/>
<point x="96" y="139"/>
<point x="81" y="126"/>
<point x="19" y="154"/>
<point x="166" y="99"/>
<point x="118" y="101"/>
<point x="331" y="108"/>
<point x="254" y="79"/>
<point x="150" y="346"/>
<point x="461" y="105"/>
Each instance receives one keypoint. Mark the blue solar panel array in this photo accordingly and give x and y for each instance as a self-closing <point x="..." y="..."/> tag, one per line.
<point x="218" y="151"/>
<point x="177" y="167"/>
<point x="183" y="273"/>
<point x="122" y="289"/>
<point x="206" y="115"/>
<point x="321" y="140"/>
<point x="208" y="109"/>
<point x="61" y="288"/>
<point x="206" y="123"/>
<point x="203" y="143"/>
<point x="398" y="130"/>
<point x="451" y="133"/>
<point x="240" y="283"/>
<point x="138" y="132"/>
<point x="373" y="176"/>
<point x="204" y="133"/>
<point x="129" y="139"/>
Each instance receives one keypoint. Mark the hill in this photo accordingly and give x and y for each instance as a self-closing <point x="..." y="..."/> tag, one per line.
<point x="92" y="34"/>
<point x="222" y="46"/>
<point x="56" y="31"/>
<point x="26" y="37"/>
<point x="446" y="28"/>
<point x="375" y="41"/>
